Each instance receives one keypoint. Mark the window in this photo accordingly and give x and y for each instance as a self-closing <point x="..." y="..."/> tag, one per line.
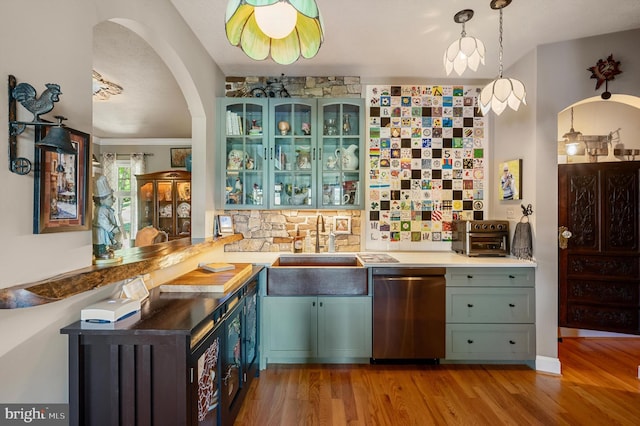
<point x="124" y="200"/>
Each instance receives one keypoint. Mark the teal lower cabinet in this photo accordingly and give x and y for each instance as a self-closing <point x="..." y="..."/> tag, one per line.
<point x="490" y="314"/>
<point x="299" y="329"/>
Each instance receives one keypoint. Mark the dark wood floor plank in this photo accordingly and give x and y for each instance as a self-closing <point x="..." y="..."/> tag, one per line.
<point x="598" y="385"/>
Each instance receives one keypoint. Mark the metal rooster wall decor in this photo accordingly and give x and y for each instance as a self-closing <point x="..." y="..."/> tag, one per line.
<point x="26" y="95"/>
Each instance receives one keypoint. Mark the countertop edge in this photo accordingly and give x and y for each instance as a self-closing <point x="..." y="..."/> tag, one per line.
<point x="136" y="261"/>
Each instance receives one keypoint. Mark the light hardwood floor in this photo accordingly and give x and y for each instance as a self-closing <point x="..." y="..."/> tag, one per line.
<point x="599" y="385"/>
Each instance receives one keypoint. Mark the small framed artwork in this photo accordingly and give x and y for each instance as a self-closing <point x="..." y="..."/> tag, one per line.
<point x="135" y="289"/>
<point x="342" y="224"/>
<point x="510" y="180"/>
<point x="60" y="188"/>
<point x="225" y="224"/>
<point x="179" y="156"/>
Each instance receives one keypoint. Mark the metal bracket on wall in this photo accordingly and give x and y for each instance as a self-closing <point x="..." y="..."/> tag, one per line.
<point x="19" y="165"/>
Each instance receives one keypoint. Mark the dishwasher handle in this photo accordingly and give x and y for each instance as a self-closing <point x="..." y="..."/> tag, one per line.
<point x="408" y="272"/>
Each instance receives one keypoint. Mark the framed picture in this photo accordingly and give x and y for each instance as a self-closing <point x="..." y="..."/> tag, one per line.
<point x="225" y="224"/>
<point x="179" y="156"/>
<point x="61" y="194"/>
<point x="342" y="224"/>
<point x="510" y="180"/>
<point x="135" y="289"/>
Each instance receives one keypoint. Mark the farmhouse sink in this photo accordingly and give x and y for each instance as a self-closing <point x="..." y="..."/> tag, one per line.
<point x="317" y="260"/>
<point x="317" y="274"/>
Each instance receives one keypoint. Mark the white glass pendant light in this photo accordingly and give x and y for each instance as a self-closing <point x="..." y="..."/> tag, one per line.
<point x="282" y="29"/>
<point x="465" y="51"/>
<point x="502" y="92"/>
<point x="276" y="20"/>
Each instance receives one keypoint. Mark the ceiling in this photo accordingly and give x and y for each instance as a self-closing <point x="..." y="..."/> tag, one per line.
<point x="377" y="40"/>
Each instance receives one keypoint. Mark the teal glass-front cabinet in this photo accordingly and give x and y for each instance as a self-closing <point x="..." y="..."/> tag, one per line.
<point x="289" y="153"/>
<point x="292" y="152"/>
<point x="340" y="153"/>
<point x="244" y="152"/>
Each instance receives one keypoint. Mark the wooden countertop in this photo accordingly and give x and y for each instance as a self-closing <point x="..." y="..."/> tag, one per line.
<point x="136" y="261"/>
<point x="164" y="313"/>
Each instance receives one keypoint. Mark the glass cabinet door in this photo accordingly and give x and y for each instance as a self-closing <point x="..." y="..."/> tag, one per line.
<point x="340" y="153"/>
<point x="183" y="208"/>
<point x="292" y="153"/>
<point x="146" y="204"/>
<point x="244" y="153"/>
<point x="165" y="206"/>
<point x="205" y="391"/>
<point x="232" y="359"/>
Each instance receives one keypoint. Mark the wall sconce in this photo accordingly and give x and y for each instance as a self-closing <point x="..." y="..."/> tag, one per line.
<point x="57" y="138"/>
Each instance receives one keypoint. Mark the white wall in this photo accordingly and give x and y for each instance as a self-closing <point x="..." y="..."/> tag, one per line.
<point x="159" y="150"/>
<point x="51" y="42"/>
<point x="556" y="76"/>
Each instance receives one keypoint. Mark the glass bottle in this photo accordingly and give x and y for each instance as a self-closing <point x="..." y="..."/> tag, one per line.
<point x="346" y="124"/>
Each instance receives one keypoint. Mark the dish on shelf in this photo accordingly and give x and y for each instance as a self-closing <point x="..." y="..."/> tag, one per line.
<point x="165" y="211"/>
<point x="184" y="210"/>
<point x="184" y="191"/>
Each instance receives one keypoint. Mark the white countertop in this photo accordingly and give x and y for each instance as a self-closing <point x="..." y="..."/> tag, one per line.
<point x="405" y="259"/>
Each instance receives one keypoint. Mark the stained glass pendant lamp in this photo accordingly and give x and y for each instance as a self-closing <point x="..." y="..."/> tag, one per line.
<point x="502" y="92"/>
<point x="466" y="51"/>
<point x="282" y="29"/>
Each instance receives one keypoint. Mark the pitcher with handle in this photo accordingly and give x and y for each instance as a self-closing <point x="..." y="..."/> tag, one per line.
<point x="347" y="157"/>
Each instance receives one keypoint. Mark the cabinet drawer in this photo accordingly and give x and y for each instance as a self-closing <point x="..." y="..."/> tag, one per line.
<point x="490" y="277"/>
<point x="490" y="342"/>
<point x="490" y="305"/>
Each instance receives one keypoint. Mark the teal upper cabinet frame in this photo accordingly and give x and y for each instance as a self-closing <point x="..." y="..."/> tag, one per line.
<point x="290" y="153"/>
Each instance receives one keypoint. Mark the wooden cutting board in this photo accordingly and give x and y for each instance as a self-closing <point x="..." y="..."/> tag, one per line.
<point x="203" y="281"/>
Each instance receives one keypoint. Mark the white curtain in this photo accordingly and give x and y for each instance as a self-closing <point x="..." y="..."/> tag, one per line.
<point x="137" y="165"/>
<point x="109" y="169"/>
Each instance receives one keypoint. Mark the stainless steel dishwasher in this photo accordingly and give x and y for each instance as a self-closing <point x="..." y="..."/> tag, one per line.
<point x="408" y="313"/>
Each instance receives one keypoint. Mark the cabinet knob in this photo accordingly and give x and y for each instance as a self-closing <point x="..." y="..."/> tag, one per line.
<point x="512" y="342"/>
<point x="511" y="305"/>
<point x="313" y="304"/>
<point x="512" y="276"/>
<point x="469" y="276"/>
<point x="320" y="304"/>
<point x="469" y="305"/>
<point x="469" y="341"/>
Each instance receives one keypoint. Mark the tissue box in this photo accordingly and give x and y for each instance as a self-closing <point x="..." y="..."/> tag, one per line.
<point x="110" y="310"/>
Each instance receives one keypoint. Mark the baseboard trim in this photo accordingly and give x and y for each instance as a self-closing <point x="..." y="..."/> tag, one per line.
<point x="547" y="364"/>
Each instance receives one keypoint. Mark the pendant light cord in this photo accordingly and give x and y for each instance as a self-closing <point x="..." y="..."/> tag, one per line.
<point x="500" y="42"/>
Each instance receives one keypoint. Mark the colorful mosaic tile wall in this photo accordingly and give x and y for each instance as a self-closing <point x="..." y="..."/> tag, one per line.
<point x="427" y="150"/>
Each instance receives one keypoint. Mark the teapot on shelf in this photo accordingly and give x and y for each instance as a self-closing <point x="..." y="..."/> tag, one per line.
<point x="347" y="157"/>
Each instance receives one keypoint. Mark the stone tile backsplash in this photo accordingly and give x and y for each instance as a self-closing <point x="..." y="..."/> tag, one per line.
<point x="273" y="230"/>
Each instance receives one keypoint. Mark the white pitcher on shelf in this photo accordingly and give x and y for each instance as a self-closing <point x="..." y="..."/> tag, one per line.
<point x="348" y="158"/>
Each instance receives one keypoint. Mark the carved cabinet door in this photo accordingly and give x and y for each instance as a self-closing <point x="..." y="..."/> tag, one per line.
<point x="598" y="272"/>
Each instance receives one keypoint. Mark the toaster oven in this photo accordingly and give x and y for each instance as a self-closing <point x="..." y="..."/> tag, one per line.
<point x="480" y="237"/>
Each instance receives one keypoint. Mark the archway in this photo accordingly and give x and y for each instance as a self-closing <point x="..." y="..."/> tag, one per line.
<point x="198" y="78"/>
<point x="615" y="125"/>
